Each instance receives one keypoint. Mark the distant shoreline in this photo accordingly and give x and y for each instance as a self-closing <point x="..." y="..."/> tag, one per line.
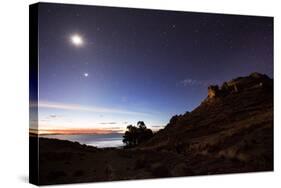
<point x="96" y="140"/>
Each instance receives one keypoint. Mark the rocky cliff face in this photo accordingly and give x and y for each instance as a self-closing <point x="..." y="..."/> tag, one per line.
<point x="231" y="127"/>
<point x="240" y="84"/>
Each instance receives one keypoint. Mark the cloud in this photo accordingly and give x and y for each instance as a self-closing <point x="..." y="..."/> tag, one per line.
<point x="52" y="116"/>
<point x="115" y="129"/>
<point x="156" y="126"/>
<point x="108" y="123"/>
<point x="191" y="82"/>
<point x="76" y="107"/>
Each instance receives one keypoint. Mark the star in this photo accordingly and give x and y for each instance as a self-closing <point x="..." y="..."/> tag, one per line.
<point x="86" y="74"/>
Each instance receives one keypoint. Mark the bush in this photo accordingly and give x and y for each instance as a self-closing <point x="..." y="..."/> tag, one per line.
<point x="137" y="134"/>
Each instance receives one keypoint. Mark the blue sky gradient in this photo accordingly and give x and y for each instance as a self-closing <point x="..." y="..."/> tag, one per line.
<point x="144" y="65"/>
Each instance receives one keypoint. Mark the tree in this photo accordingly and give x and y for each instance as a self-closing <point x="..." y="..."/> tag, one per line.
<point x="130" y="137"/>
<point x="137" y="134"/>
<point x="141" y="125"/>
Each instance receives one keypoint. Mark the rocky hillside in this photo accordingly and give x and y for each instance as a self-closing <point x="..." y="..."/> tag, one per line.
<point x="234" y="122"/>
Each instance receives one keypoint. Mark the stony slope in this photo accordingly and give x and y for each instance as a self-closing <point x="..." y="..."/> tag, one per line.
<point x="234" y="122"/>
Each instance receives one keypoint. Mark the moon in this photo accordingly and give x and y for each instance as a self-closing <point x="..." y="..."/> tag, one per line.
<point x="77" y="40"/>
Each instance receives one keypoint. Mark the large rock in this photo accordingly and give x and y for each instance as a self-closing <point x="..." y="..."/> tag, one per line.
<point x="213" y="91"/>
<point x="254" y="80"/>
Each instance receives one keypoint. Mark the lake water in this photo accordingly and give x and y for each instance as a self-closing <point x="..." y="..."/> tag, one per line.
<point x="98" y="140"/>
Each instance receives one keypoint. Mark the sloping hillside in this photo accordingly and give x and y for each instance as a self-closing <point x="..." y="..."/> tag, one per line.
<point x="234" y="122"/>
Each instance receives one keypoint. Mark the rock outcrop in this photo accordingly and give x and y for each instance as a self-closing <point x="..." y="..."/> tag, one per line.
<point x="213" y="91"/>
<point x="230" y="131"/>
<point x="254" y="80"/>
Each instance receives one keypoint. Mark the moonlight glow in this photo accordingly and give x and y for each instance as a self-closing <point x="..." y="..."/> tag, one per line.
<point x="77" y="40"/>
<point x="86" y="74"/>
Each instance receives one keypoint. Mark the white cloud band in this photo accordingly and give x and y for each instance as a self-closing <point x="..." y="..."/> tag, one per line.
<point x="76" y="107"/>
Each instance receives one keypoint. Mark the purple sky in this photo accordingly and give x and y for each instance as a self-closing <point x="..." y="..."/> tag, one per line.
<point x="135" y="64"/>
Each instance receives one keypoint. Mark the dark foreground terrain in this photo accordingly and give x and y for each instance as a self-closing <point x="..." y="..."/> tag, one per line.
<point x="231" y="131"/>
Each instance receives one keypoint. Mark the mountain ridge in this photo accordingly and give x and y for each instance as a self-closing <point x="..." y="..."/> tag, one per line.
<point x="233" y="117"/>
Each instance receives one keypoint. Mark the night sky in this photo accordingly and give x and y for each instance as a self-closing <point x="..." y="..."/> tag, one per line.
<point x="104" y="68"/>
